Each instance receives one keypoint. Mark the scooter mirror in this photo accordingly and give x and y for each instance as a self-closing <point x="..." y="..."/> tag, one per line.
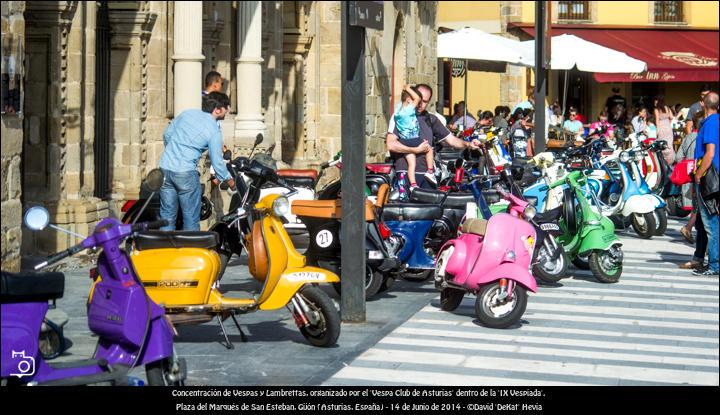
<point x="155" y="180"/>
<point x="258" y="139"/>
<point x="227" y="155"/>
<point x="36" y="218"/>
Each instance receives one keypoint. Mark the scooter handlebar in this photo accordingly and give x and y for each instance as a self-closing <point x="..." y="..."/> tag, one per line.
<point x="60" y="256"/>
<point x="149" y="225"/>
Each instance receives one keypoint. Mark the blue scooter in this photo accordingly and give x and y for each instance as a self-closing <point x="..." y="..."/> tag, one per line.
<point x="421" y="227"/>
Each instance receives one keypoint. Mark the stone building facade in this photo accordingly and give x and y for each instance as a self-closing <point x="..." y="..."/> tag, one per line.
<point x="103" y="79"/>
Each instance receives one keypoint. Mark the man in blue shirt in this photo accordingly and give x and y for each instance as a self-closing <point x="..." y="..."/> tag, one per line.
<point x="706" y="149"/>
<point x="186" y="138"/>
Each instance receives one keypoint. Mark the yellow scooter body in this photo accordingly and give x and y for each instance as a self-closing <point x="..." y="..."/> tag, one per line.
<point x="178" y="277"/>
<point x="286" y="271"/>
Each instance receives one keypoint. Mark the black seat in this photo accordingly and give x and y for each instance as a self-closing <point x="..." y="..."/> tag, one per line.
<point x="411" y="211"/>
<point x="31" y="287"/>
<point x="300" y="182"/>
<point x="176" y="239"/>
<point x="491" y="196"/>
<point x="451" y="155"/>
<point x="458" y="200"/>
<point x="434" y="197"/>
<point x="549" y="216"/>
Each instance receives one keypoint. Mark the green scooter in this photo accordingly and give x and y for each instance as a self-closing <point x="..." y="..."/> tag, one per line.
<point x="588" y="237"/>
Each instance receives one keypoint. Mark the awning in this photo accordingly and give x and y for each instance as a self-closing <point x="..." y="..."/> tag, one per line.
<point x="671" y="55"/>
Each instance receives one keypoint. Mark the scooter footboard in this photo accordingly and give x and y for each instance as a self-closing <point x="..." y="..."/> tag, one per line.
<point x="510" y="271"/>
<point x="291" y="281"/>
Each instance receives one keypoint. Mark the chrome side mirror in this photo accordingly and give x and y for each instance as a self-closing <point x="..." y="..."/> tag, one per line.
<point x="36" y="218"/>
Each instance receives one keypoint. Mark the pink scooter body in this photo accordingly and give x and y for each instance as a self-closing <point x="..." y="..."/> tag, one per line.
<point x="478" y="260"/>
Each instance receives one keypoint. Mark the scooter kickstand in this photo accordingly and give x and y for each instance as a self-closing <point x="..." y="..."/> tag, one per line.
<point x="228" y="343"/>
<point x="243" y="337"/>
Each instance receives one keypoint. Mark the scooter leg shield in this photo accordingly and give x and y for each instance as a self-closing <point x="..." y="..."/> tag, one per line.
<point x="291" y="281"/>
<point x="598" y="239"/>
<point x="456" y="263"/>
<point x="510" y="271"/>
<point x="639" y="204"/>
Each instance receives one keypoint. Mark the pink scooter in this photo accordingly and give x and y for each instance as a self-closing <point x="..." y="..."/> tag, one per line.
<point x="491" y="259"/>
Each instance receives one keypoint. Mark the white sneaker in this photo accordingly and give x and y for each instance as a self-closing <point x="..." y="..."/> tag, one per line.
<point x="431" y="177"/>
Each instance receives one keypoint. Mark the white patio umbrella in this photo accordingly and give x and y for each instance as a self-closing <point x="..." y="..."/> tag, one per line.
<point x="569" y="51"/>
<point x="473" y="44"/>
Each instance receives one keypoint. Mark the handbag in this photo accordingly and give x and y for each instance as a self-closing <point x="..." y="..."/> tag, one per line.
<point x="709" y="185"/>
<point x="681" y="172"/>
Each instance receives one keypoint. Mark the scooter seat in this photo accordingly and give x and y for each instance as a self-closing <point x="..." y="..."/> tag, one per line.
<point x="550" y="216"/>
<point x="379" y="168"/>
<point x="475" y="226"/>
<point x="176" y="239"/>
<point x="450" y="155"/>
<point x="458" y="200"/>
<point x="300" y="182"/>
<point x="434" y="197"/>
<point x="491" y="196"/>
<point x="308" y="173"/>
<point x="411" y="211"/>
<point x="327" y="209"/>
<point x="29" y="287"/>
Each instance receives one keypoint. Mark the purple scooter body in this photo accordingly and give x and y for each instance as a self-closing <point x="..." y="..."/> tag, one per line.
<point x="118" y="314"/>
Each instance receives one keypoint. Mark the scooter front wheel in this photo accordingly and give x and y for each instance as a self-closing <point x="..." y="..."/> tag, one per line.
<point x="166" y="372"/>
<point x="499" y="314"/>
<point x="550" y="271"/>
<point x="644" y="224"/>
<point x="604" y="267"/>
<point x="324" y="329"/>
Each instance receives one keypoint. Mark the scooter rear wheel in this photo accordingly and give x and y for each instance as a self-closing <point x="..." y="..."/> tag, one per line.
<point x="581" y="262"/>
<point x="418" y="276"/>
<point x="373" y="283"/>
<point x="450" y="298"/>
<point x="327" y="329"/>
<point x="509" y="314"/>
<point x="644" y="224"/>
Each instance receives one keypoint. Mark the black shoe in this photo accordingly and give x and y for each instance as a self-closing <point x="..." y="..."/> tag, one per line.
<point x="705" y="273"/>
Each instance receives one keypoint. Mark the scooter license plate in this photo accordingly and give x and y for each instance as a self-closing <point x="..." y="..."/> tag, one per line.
<point x="306" y="276"/>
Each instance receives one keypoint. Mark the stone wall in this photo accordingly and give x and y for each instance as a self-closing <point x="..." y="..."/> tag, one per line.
<point x="512" y="82"/>
<point x="13" y="23"/>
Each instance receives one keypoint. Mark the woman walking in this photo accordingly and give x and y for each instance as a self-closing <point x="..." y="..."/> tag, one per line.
<point x="663" y="122"/>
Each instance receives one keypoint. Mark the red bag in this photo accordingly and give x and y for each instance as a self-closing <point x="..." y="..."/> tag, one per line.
<point x="681" y="172"/>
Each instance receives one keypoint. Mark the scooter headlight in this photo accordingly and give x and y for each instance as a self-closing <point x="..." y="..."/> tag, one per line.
<point x="281" y="206"/>
<point x="624" y="157"/>
<point x="530" y="212"/>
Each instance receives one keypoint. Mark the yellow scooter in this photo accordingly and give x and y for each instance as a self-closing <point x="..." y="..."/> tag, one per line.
<point x="181" y="269"/>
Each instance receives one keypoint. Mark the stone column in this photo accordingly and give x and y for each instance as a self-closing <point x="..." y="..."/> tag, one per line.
<point x="249" y="120"/>
<point x="187" y="54"/>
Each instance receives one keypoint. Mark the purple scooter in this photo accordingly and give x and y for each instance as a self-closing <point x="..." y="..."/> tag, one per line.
<point x="132" y="329"/>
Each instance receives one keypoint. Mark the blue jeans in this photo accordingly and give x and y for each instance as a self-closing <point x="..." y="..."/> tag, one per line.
<point x="710" y="222"/>
<point x="182" y="187"/>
